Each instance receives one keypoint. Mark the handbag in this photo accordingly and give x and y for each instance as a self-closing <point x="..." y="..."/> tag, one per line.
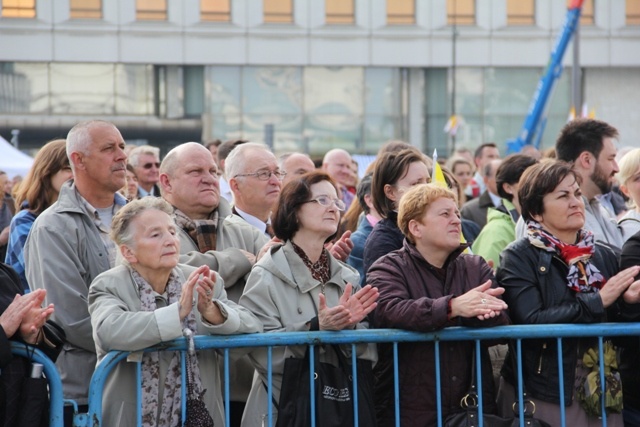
<point x="469" y="416"/>
<point x="197" y="413"/>
<point x="590" y="393"/>
<point x="333" y="392"/>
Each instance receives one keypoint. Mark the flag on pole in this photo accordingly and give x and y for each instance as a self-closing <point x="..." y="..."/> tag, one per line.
<point x="437" y="177"/>
<point x="452" y="125"/>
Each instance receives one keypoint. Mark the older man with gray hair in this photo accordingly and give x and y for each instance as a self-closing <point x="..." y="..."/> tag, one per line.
<point x="255" y="180"/>
<point x="69" y="246"/>
<point x="145" y="161"/>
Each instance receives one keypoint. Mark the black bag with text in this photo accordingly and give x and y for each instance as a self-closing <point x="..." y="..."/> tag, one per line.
<point x="333" y="393"/>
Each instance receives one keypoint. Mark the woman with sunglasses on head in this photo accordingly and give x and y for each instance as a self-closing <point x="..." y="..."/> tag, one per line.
<point x="299" y="286"/>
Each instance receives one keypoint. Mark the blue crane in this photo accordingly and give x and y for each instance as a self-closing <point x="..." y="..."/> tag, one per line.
<point x="535" y="121"/>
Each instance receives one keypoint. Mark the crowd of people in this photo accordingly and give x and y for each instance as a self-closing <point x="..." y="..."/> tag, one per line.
<point x="123" y="250"/>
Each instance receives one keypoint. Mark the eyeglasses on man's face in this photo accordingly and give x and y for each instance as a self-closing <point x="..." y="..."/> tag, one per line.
<point x="327" y="201"/>
<point x="150" y="165"/>
<point x="265" y="175"/>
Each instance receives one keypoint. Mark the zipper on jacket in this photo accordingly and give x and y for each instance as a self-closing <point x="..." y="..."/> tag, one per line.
<point x="544" y="347"/>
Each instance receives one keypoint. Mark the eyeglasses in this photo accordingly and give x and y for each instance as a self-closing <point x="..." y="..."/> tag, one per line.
<point x="265" y="175"/>
<point x="328" y="201"/>
<point x="150" y="165"/>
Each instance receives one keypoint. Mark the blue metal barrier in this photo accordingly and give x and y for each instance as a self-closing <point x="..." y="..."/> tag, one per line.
<point x="51" y="372"/>
<point x="270" y="340"/>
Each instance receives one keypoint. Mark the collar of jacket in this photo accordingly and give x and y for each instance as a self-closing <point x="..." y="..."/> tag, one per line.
<point x="277" y="261"/>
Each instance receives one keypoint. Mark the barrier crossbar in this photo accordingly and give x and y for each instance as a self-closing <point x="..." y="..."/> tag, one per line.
<point x="224" y="344"/>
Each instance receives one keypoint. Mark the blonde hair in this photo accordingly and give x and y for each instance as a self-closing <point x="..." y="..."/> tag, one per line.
<point x="415" y="202"/>
<point x="629" y="164"/>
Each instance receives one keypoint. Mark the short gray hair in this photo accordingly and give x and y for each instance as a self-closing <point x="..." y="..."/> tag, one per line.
<point x="121" y="232"/>
<point x="79" y="137"/>
<point x="235" y="163"/>
<point x="134" y="155"/>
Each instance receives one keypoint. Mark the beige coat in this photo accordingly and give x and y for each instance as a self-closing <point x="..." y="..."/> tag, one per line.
<point x="284" y="297"/>
<point x="118" y="324"/>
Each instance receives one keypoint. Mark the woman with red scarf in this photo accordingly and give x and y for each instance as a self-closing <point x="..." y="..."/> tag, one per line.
<point x="557" y="274"/>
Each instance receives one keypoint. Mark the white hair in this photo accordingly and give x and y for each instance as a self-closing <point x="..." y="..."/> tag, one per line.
<point x="134" y="155"/>
<point x="236" y="163"/>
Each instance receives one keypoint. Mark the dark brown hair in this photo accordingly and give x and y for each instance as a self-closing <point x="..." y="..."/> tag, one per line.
<point x="540" y="180"/>
<point x="510" y="171"/>
<point x="582" y="135"/>
<point x="284" y="218"/>
<point x="390" y="168"/>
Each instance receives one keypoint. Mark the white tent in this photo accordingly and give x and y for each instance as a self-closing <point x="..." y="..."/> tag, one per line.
<point x="12" y="161"/>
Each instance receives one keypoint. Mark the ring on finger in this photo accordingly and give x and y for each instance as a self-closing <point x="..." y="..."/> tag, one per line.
<point x="483" y="300"/>
<point x="208" y="293"/>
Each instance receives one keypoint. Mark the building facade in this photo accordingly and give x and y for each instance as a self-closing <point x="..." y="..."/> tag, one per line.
<point x="309" y="75"/>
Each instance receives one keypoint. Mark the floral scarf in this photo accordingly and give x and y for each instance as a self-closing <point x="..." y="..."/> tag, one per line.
<point x="170" y="413"/>
<point x="583" y="275"/>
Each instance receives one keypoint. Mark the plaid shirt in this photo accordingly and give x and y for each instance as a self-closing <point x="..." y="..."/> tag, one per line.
<point x="20" y="227"/>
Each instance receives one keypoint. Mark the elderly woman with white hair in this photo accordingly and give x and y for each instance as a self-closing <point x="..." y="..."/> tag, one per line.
<point x="151" y="299"/>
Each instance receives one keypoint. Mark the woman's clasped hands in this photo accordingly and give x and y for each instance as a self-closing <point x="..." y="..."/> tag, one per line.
<point x="481" y="302"/>
<point x="351" y="309"/>
<point x="202" y="281"/>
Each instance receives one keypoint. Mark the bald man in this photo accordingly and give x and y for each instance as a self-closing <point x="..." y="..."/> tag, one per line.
<point x="295" y="165"/>
<point x="337" y="163"/>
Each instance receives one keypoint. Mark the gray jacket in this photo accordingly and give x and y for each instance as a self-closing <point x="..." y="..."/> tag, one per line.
<point x="63" y="254"/>
<point x="119" y="324"/>
<point x="284" y="297"/>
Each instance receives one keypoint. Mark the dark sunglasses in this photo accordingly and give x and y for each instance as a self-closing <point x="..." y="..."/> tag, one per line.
<point x="150" y="165"/>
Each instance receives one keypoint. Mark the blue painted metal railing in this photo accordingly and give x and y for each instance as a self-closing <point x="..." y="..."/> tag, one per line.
<point x="51" y="372"/>
<point x="270" y="340"/>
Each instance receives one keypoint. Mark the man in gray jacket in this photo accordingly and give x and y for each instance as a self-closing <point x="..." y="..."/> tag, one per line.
<point x="69" y="246"/>
<point x="210" y="234"/>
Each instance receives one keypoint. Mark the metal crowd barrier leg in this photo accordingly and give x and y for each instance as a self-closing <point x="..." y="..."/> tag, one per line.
<point x="56" y="400"/>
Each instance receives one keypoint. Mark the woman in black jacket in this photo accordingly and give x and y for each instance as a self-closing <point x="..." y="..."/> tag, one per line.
<point x="557" y="274"/>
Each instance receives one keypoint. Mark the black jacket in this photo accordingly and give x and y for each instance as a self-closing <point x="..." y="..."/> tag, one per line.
<point x="536" y="291"/>
<point x="630" y="346"/>
<point x="384" y="238"/>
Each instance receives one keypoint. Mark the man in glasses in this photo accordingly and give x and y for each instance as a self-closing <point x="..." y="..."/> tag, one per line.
<point x="255" y="180"/>
<point x="146" y="165"/>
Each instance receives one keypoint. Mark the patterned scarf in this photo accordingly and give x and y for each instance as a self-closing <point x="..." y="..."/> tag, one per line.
<point x="319" y="269"/>
<point x="202" y="231"/>
<point x="583" y="275"/>
<point x="171" y="405"/>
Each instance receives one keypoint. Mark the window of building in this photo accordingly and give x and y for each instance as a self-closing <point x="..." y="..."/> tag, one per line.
<point x="339" y="11"/>
<point x="520" y="12"/>
<point x="215" y="10"/>
<point x="401" y="12"/>
<point x="85" y="9"/>
<point x="151" y="10"/>
<point x="632" y="12"/>
<point x="278" y="11"/>
<point x="461" y="12"/>
<point x="19" y="8"/>
<point x="586" y="15"/>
